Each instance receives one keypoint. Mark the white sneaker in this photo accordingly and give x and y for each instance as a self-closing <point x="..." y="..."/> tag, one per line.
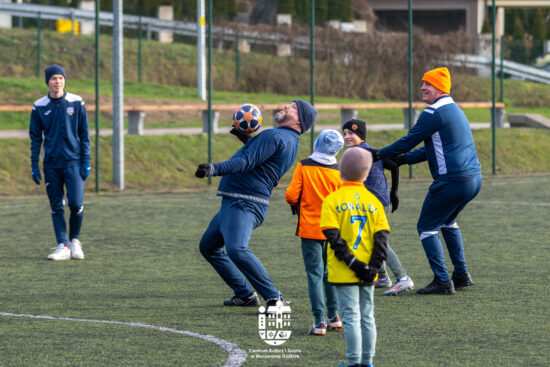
<point x="318" y="329"/>
<point x="76" y="249"/>
<point x="334" y="323"/>
<point x="383" y="282"/>
<point x="61" y="252"/>
<point x="401" y="286"/>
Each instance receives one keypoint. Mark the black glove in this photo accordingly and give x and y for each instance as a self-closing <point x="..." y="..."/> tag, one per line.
<point x="375" y="154"/>
<point x="390" y="164"/>
<point x="362" y="270"/>
<point x="394" y="199"/>
<point x="204" y="170"/>
<point x="35" y="173"/>
<point x="295" y="209"/>
<point x="400" y="159"/>
<point x="240" y="134"/>
<point x="368" y="274"/>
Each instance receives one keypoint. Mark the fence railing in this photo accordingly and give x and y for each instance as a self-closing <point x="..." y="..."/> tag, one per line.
<point x="508" y="67"/>
<point x="148" y="24"/>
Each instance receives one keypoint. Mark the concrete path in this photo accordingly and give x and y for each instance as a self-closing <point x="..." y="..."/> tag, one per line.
<point x="24" y="134"/>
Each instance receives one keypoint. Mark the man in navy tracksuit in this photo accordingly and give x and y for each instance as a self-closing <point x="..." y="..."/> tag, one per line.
<point x="451" y="154"/>
<point x="249" y="177"/>
<point x="59" y="120"/>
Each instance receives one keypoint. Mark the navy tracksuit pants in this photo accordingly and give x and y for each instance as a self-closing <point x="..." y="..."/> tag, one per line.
<point x="445" y="200"/>
<point x="56" y="179"/>
<point x="232" y="227"/>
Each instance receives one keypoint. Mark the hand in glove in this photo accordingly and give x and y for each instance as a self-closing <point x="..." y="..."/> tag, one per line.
<point x="204" y="170"/>
<point x="35" y="173"/>
<point x="240" y="134"/>
<point x="85" y="169"/>
<point x="394" y="199"/>
<point x="375" y="154"/>
<point x="362" y="270"/>
<point x="295" y="209"/>
<point x="400" y="159"/>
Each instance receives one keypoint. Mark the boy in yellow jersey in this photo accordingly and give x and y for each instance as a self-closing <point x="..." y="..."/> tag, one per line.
<point x="355" y="224"/>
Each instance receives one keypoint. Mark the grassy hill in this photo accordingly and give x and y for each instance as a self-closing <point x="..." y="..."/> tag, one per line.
<point x="168" y="163"/>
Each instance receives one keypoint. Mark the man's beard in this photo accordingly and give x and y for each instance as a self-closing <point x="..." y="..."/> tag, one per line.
<point x="279" y="117"/>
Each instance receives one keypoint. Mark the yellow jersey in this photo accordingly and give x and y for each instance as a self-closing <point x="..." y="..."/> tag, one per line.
<point x="358" y="215"/>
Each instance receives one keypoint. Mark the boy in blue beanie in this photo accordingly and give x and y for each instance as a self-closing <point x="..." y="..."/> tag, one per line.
<point x="59" y="120"/>
<point x="249" y="176"/>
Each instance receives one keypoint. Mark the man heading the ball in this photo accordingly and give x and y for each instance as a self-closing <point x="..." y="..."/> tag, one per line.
<point x="249" y="177"/>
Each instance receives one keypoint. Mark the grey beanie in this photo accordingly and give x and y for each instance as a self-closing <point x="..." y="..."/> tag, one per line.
<point x="306" y="113"/>
<point x="329" y="142"/>
<point x="52" y="70"/>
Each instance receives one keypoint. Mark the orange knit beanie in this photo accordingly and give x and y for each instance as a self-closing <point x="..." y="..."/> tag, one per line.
<point x="439" y="78"/>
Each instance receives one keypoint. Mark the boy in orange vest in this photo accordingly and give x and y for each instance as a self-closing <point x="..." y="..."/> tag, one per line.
<point x="313" y="179"/>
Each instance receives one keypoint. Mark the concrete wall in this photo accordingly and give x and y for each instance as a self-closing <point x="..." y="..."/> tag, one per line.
<point x="474" y="9"/>
<point x="5" y="19"/>
<point x="87" y="27"/>
<point x="165" y="13"/>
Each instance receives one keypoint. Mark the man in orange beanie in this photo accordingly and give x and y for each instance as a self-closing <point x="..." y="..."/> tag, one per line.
<point x="451" y="154"/>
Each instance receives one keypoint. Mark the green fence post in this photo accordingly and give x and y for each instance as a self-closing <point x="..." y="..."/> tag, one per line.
<point x="97" y="96"/>
<point x="493" y="86"/>
<point x="501" y="68"/>
<point x="312" y="66"/>
<point x="38" y="37"/>
<point x="410" y="45"/>
<point x="237" y="56"/>
<point x="209" y="82"/>
<point x="139" y="50"/>
<point x="331" y="66"/>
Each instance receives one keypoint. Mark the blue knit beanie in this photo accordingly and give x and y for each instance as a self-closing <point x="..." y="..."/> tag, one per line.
<point x="306" y="113"/>
<point x="329" y="142"/>
<point x="52" y="70"/>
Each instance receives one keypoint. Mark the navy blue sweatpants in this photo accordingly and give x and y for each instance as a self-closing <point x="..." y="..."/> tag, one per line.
<point x="56" y="179"/>
<point x="232" y="227"/>
<point x="445" y="200"/>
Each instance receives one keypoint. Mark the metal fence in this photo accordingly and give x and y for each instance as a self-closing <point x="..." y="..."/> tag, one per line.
<point x="148" y="24"/>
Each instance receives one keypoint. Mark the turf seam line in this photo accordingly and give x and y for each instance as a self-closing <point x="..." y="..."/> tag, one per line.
<point x="235" y="355"/>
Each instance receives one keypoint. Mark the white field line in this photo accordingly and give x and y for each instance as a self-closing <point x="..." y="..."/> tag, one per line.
<point x="235" y="355"/>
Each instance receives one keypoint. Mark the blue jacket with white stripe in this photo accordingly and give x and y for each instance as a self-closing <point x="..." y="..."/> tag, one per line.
<point x="255" y="169"/>
<point x="448" y="143"/>
<point x="62" y="124"/>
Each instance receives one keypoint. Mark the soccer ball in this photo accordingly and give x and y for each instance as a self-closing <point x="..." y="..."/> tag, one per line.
<point x="247" y="118"/>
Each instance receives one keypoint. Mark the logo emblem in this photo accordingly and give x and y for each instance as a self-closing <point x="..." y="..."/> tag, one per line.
<point x="70" y="111"/>
<point x="274" y="324"/>
<point x="47" y="112"/>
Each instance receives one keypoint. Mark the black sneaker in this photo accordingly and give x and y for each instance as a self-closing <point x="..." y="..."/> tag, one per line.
<point x="438" y="287"/>
<point x="462" y="280"/>
<point x="273" y="302"/>
<point x="249" y="301"/>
